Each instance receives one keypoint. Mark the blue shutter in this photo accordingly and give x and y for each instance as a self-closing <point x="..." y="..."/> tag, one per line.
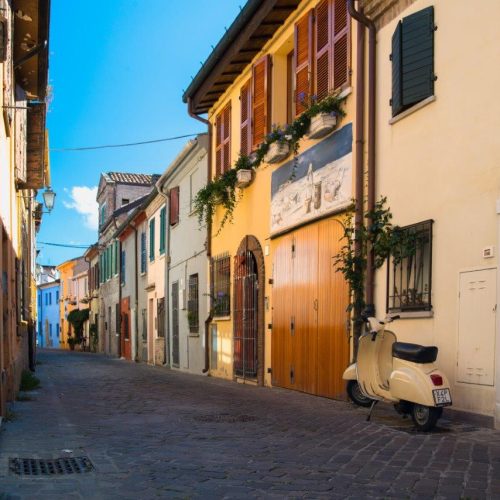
<point x="152" y="240"/>
<point x="143" y="252"/>
<point x="162" y="230"/>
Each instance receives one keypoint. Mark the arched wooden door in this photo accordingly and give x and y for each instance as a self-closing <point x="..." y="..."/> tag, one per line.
<point x="248" y="311"/>
<point x="310" y="348"/>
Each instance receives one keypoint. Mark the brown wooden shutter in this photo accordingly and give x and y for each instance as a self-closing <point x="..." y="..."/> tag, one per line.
<point x="246" y="118"/>
<point x="218" y="145"/>
<point x="226" y="138"/>
<point x="223" y="141"/>
<point x="261" y="91"/>
<point x="174" y="206"/>
<point x="323" y="49"/>
<point x="341" y="49"/>
<point x="303" y="63"/>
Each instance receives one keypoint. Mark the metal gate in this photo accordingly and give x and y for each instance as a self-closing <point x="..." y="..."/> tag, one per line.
<point x="246" y="288"/>
<point x="175" y="324"/>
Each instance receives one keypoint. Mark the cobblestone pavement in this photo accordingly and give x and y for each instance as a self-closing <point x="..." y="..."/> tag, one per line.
<point x="155" y="433"/>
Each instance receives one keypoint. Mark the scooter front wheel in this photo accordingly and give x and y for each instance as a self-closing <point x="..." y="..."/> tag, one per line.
<point x="425" y="417"/>
<point x="356" y="396"/>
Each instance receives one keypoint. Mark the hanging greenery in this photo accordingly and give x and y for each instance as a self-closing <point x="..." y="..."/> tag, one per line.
<point x="376" y="233"/>
<point x="221" y="191"/>
<point x="77" y="318"/>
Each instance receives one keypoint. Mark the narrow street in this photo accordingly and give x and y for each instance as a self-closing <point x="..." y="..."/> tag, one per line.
<point x="154" y="433"/>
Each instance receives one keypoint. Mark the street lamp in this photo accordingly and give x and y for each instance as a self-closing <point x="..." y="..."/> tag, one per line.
<point x="48" y="198"/>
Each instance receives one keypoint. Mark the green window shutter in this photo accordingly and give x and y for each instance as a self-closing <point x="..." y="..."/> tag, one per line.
<point x="117" y="255"/>
<point x="413" y="60"/>
<point x="418" y="56"/>
<point x="152" y="239"/>
<point x="108" y="263"/>
<point x="396" y="101"/>
<point x="162" y="230"/>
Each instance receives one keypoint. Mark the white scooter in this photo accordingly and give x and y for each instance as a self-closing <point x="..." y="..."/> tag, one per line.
<point x="400" y="373"/>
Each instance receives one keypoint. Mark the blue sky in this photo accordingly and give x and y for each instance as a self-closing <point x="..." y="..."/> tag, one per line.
<point x="118" y="69"/>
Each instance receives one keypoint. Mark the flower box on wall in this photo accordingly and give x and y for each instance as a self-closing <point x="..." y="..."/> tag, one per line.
<point x="243" y="178"/>
<point x="277" y="152"/>
<point x="322" y="124"/>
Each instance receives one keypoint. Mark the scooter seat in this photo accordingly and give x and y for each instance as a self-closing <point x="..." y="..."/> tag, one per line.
<point x="414" y="352"/>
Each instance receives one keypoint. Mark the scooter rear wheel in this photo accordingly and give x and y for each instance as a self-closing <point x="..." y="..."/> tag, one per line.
<point x="425" y="417"/>
<point x="356" y="396"/>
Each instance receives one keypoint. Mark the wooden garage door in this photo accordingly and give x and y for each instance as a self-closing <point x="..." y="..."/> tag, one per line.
<point x="309" y="343"/>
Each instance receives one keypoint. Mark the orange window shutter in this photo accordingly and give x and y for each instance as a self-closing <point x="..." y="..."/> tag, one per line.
<point x="341" y="46"/>
<point x="218" y="145"/>
<point x="261" y="90"/>
<point x="226" y="138"/>
<point x="174" y="206"/>
<point x="303" y="62"/>
<point x="246" y="114"/>
<point x="323" y="49"/>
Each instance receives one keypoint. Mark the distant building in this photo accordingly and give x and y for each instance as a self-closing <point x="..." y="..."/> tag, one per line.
<point x="118" y="194"/>
<point x="186" y="265"/>
<point x="48" y="330"/>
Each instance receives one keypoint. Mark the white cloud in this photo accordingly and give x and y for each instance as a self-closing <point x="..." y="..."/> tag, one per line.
<point x="83" y="200"/>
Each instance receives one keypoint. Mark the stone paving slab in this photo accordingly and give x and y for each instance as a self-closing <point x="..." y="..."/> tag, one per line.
<point x="151" y="432"/>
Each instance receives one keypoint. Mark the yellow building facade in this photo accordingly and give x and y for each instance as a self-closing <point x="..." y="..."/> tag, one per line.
<point x="68" y="299"/>
<point x="278" y="306"/>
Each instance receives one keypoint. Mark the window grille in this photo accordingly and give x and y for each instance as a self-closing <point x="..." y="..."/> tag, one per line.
<point x="220" y="286"/>
<point x="193" y="304"/>
<point x="409" y="271"/>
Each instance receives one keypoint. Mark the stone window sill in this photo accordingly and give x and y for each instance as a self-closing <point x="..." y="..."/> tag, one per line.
<point x="412" y="110"/>
<point x="413" y="314"/>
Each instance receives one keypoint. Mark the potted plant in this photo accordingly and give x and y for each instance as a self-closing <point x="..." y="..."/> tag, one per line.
<point x="324" y="115"/>
<point x="279" y="147"/>
<point x="72" y="341"/>
<point x="244" y="171"/>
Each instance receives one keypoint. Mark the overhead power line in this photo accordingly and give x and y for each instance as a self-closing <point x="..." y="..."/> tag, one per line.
<point x="108" y="146"/>
<point x="65" y="245"/>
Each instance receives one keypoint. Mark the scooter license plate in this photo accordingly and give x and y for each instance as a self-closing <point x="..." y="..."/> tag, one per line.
<point x="442" y="397"/>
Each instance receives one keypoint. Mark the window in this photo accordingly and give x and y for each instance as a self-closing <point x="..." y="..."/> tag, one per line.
<point x="122" y="268"/>
<point x="409" y="270"/>
<point x="162" y="230"/>
<point x="152" y="239"/>
<point x="125" y="201"/>
<point x="223" y="141"/>
<point x="102" y="214"/>
<point x="412" y="60"/>
<point x="255" y="99"/>
<point x="322" y="52"/>
<point x="174" y="206"/>
<point x="220" y="284"/>
<point x="57" y="330"/>
<point x="193" y="304"/>
<point x="50" y="298"/>
<point x="143" y="252"/>
<point x="57" y="296"/>
<point x="50" y="329"/>
<point x="46" y="299"/>
<point x="261" y="94"/>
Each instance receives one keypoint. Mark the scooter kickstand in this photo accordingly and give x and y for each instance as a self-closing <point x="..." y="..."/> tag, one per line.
<point x="375" y="401"/>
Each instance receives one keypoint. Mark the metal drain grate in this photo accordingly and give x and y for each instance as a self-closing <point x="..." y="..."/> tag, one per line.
<point x="225" y="418"/>
<point x="50" y="467"/>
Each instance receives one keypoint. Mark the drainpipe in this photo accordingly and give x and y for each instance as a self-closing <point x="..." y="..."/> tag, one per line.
<point x="359" y="140"/>
<point x="372" y="35"/>
<point x="208" y="244"/>
<point x="166" y="288"/>
<point x="136" y="294"/>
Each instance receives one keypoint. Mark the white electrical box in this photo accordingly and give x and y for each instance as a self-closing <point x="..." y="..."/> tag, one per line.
<point x="488" y="252"/>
